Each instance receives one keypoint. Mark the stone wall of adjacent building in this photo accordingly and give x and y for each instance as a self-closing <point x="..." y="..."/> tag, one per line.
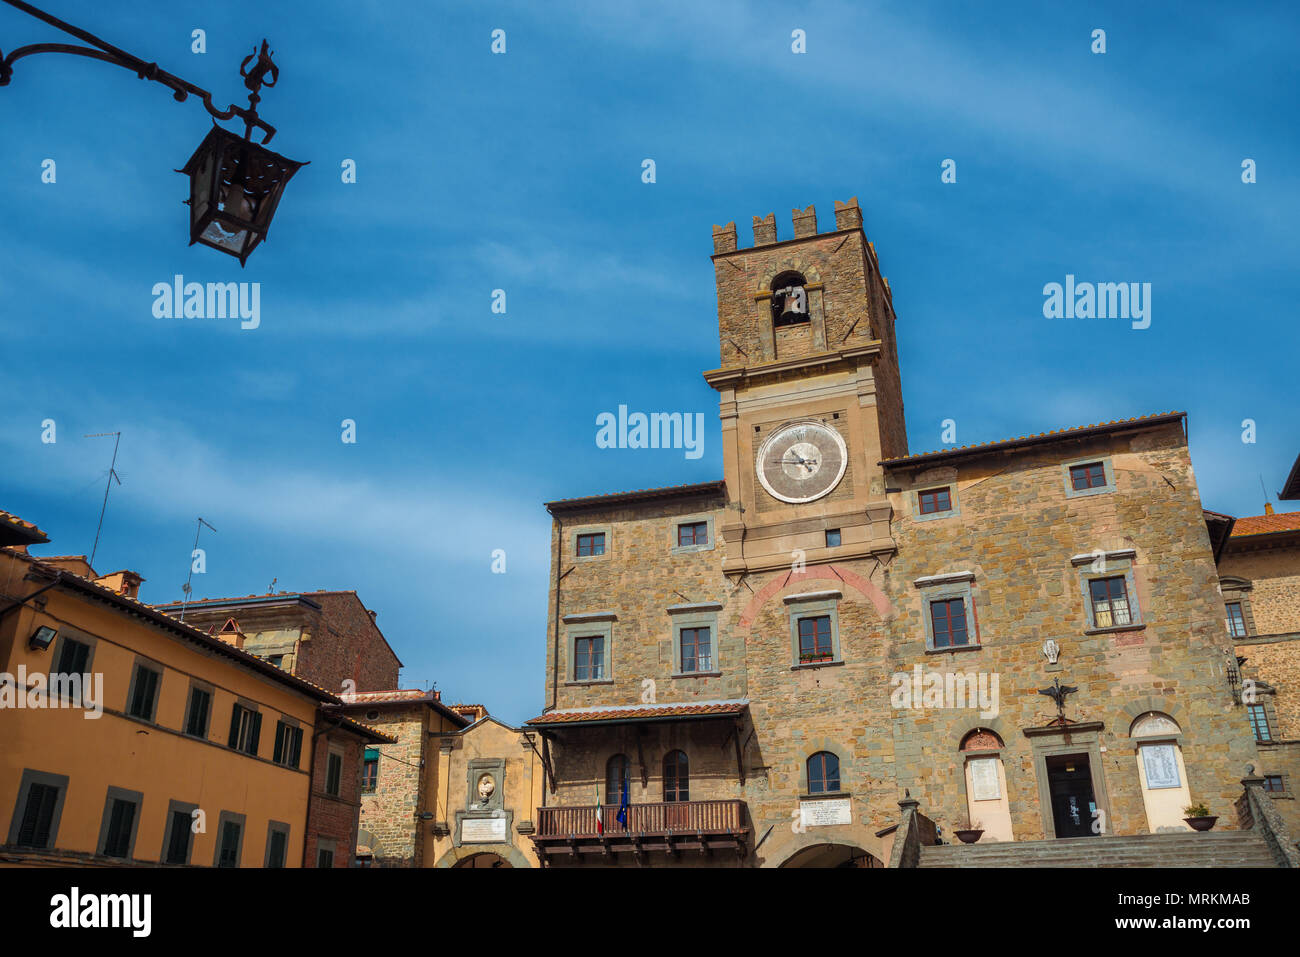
<point x="1274" y="574"/>
<point x="347" y="644"/>
<point x="389" y="823"/>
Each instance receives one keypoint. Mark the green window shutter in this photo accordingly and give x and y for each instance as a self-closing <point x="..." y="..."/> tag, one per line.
<point x="372" y="754"/>
<point x="280" y="729"/>
<point x="234" y="725"/>
<point x="256" y="734"/>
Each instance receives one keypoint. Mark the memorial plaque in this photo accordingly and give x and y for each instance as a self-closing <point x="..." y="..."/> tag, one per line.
<point x="825" y="813"/>
<point x="483" y="830"/>
<point x="1161" y="765"/>
<point x="984" y="779"/>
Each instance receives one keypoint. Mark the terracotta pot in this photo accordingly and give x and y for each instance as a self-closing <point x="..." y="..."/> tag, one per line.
<point x="968" y="836"/>
<point x="1200" y="823"/>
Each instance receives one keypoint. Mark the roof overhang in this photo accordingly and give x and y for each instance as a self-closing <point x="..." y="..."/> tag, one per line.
<point x="639" y="714"/>
<point x="1291" y="490"/>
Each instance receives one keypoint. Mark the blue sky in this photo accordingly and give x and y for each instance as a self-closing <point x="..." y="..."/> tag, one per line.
<point x="522" y="172"/>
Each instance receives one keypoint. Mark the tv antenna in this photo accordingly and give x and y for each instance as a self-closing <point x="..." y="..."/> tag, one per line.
<point x="186" y="587"/>
<point x="112" y="476"/>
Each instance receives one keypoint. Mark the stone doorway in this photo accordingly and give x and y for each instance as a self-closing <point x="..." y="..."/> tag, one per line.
<point x="485" y="859"/>
<point x="1074" y="805"/>
<point x="832" y="855"/>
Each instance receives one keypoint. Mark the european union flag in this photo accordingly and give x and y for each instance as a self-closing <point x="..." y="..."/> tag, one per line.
<point x="621" y="817"/>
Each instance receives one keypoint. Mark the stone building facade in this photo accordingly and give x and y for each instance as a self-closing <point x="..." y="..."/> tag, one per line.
<point x="755" y="671"/>
<point x="456" y="788"/>
<point x="325" y="637"/>
<point x="1259" y="573"/>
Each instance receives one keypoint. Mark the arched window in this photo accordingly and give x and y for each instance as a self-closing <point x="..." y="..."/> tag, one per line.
<point x="615" y="775"/>
<point x="677" y="777"/>
<point x="823" y="773"/>
<point x="789" y="299"/>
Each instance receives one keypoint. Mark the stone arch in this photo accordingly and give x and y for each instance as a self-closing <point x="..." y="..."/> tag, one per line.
<point x="1140" y="706"/>
<point x="797" y="264"/>
<point x="786" y="846"/>
<point x="981" y="739"/>
<point x="1154" y="722"/>
<point x="508" y="852"/>
<point x="833" y="575"/>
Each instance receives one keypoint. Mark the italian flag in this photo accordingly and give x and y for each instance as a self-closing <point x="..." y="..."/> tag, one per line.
<point x="600" y="815"/>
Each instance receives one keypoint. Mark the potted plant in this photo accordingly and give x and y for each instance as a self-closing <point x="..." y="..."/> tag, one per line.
<point x="968" y="831"/>
<point x="1198" y="817"/>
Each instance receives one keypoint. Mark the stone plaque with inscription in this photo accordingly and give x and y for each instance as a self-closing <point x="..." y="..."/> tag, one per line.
<point x="825" y="813"/>
<point x="483" y="830"/>
<point x="1161" y="766"/>
<point x="984" y="779"/>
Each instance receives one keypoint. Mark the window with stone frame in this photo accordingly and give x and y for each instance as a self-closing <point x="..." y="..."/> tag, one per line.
<point x="677" y="775"/>
<point x="370" y="771"/>
<point x="334" y="774"/>
<point x="934" y="500"/>
<point x="948" y="621"/>
<point x="1110" y="602"/>
<point x="616" y="773"/>
<point x="1259" y="723"/>
<point x="589" y="658"/>
<point x="1275" y="783"/>
<point x="1087" y="476"/>
<point x="815" y="643"/>
<point x="696" y="649"/>
<point x="1236" y="619"/>
<point x="591" y="544"/>
<point x="823" y="773"/>
<point x="692" y="533"/>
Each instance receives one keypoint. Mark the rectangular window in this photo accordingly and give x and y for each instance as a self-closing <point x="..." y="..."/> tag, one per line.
<point x="245" y="729"/>
<point x="832" y="537"/>
<point x="73" y="656"/>
<point x="196" y="718"/>
<point x="178" y="841"/>
<point x="324" y="857"/>
<point x="370" y="771"/>
<point x="334" y="774"/>
<point x="1110" y="606"/>
<point x="229" y="853"/>
<point x="117" y="838"/>
<point x="815" y="639"/>
<point x="935" y="500"/>
<point x="1273" y="782"/>
<point x="277" y="847"/>
<point x="38" y="816"/>
<point x="589" y="658"/>
<point x="277" y="660"/>
<point x="591" y="544"/>
<point x="697" y="649"/>
<point x="693" y="533"/>
<point x="288" y="744"/>
<point x="1259" y="722"/>
<point x="1236" y="620"/>
<point x="144" y="693"/>
<point x="1089" y="475"/>
<point x="948" y="620"/>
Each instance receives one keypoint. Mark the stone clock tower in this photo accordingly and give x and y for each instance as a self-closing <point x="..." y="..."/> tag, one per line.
<point x="811" y="399"/>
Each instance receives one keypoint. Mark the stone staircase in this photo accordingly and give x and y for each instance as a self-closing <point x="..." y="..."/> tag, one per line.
<point x="1208" y="849"/>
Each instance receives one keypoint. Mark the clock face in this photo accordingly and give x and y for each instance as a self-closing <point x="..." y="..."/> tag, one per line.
<point x="801" y="461"/>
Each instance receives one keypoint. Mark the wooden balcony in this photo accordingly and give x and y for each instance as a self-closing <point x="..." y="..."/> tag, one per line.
<point x="670" y="827"/>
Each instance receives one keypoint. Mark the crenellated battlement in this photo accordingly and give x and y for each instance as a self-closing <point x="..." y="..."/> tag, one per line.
<point x="848" y="215"/>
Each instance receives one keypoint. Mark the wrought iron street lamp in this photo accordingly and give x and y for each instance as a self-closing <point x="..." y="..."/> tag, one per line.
<point x="235" y="184"/>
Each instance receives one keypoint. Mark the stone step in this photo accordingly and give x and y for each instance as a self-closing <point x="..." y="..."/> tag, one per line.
<point x="1208" y="849"/>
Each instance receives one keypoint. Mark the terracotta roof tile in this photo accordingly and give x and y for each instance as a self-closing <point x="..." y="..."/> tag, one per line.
<point x="27" y="528"/>
<point x="1266" y="524"/>
<point x="637" y="712"/>
<point x="1037" y="437"/>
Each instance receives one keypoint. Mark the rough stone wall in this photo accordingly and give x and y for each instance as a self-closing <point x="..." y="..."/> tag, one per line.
<point x="1275" y="574"/>
<point x="388" y="814"/>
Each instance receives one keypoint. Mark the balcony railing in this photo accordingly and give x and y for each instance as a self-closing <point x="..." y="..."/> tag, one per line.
<point x="665" y="819"/>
